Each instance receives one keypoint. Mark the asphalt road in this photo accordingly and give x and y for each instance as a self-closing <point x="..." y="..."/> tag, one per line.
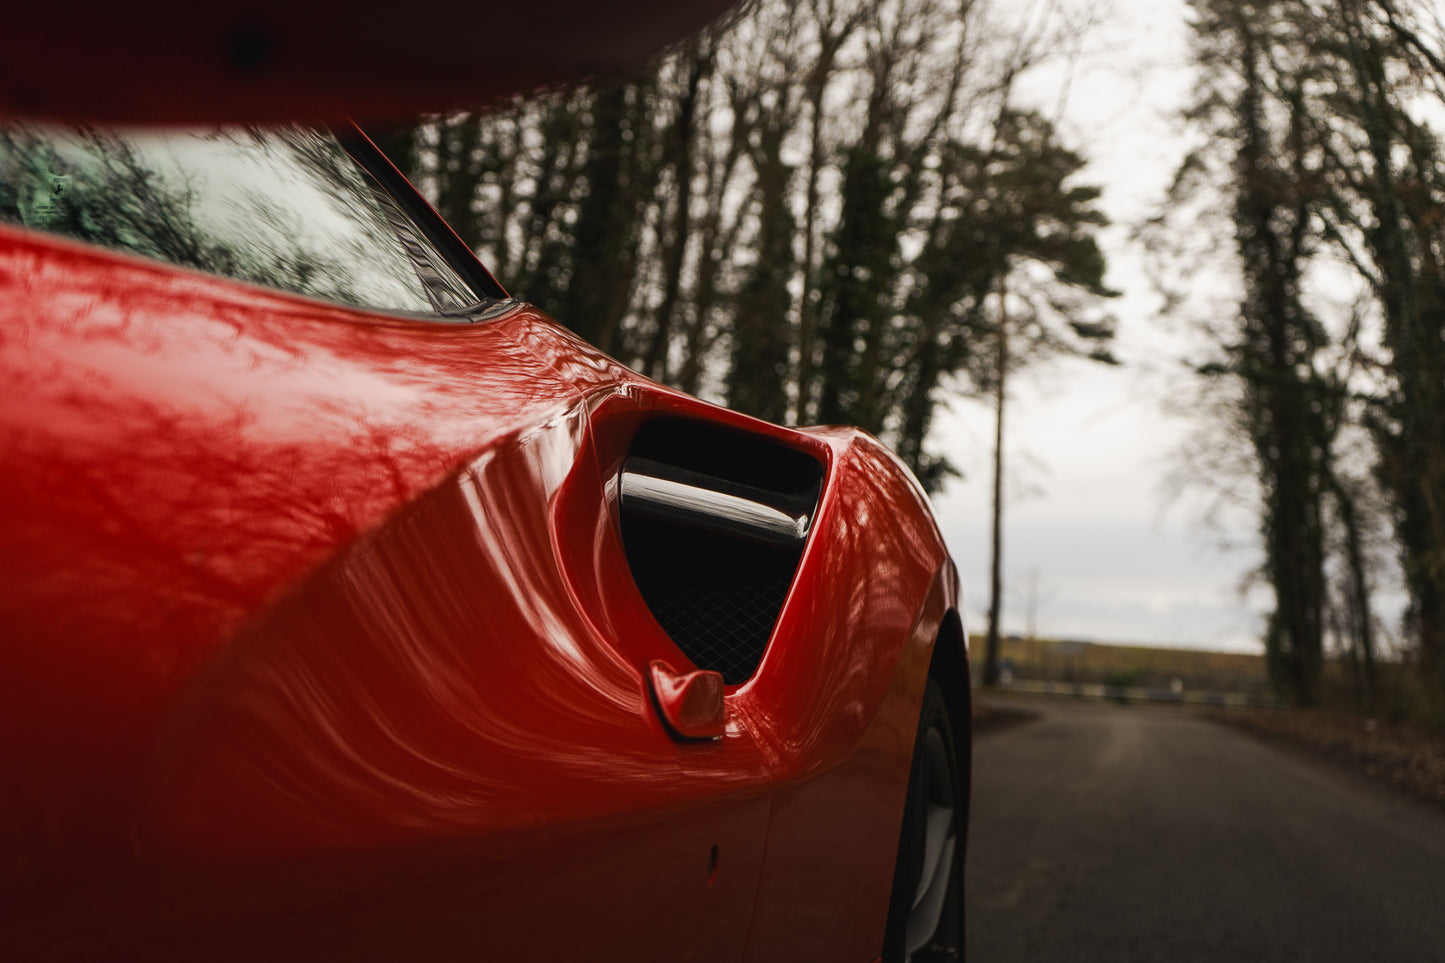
<point x="1103" y="832"/>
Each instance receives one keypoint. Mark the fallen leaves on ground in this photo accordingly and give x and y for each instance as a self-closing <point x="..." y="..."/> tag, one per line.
<point x="1407" y="757"/>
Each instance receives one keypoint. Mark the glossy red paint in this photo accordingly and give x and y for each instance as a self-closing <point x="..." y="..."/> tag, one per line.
<point x="320" y="639"/>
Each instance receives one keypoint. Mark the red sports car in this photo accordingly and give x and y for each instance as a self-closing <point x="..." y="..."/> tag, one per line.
<point x="352" y="609"/>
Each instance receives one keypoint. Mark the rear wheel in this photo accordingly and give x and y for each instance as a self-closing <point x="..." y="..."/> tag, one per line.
<point x="925" y="913"/>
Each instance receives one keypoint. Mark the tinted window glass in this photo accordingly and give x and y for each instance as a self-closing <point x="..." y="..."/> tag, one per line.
<point x="286" y="208"/>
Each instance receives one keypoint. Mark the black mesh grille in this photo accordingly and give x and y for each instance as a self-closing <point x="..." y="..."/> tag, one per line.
<point x="717" y="595"/>
<point x="719" y="608"/>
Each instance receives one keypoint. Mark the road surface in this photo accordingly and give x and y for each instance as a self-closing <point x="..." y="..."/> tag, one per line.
<point x="1104" y="832"/>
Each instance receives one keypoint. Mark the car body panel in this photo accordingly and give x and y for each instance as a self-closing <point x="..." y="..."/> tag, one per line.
<point x="320" y="637"/>
<point x="325" y="60"/>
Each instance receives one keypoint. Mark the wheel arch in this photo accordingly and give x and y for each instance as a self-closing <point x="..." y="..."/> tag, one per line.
<point x="949" y="667"/>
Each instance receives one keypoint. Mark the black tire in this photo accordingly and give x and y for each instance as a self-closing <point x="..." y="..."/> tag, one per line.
<point x="935" y="904"/>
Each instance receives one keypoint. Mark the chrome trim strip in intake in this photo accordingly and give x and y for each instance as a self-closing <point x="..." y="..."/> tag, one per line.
<point x="709" y="509"/>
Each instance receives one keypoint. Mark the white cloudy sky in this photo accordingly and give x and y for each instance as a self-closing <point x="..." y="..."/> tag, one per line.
<point x="1095" y="546"/>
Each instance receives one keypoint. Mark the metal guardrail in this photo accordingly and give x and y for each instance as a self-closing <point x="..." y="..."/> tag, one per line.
<point x="1117" y="693"/>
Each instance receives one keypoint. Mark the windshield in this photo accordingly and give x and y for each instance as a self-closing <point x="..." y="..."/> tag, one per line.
<point x="286" y="208"/>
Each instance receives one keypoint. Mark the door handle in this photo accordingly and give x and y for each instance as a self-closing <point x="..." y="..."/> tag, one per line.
<point x="690" y="704"/>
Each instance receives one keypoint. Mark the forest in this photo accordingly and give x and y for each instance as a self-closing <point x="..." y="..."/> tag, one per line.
<point x="841" y="211"/>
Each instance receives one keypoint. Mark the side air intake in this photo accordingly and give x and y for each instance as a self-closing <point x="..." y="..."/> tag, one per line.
<point x="714" y="524"/>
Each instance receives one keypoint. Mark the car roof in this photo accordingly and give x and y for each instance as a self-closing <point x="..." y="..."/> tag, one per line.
<point x="179" y="62"/>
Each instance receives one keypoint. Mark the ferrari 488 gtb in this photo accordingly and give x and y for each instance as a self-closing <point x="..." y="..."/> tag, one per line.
<point x="352" y="609"/>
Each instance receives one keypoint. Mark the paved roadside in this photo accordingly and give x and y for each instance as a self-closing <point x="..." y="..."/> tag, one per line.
<point x="1101" y="832"/>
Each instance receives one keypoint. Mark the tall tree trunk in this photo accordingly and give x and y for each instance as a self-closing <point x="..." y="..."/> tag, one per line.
<point x="602" y="224"/>
<point x="1275" y="357"/>
<point x="543" y="250"/>
<point x="995" y="601"/>
<point x="1361" y="619"/>
<point x="1402" y="240"/>
<point x="758" y="374"/>
<point x="654" y="359"/>
<point x="831" y="37"/>
<point x="459" y="172"/>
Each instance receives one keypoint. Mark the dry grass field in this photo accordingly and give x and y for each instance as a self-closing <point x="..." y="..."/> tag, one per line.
<point x="1058" y="660"/>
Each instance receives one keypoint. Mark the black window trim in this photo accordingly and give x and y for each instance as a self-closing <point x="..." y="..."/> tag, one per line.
<point x="461" y="258"/>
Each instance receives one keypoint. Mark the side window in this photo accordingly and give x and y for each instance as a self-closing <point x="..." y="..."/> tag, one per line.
<point x="445" y="288"/>
<point x="285" y="208"/>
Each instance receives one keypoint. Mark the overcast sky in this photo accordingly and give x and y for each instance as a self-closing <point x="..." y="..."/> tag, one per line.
<point x="1095" y="547"/>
